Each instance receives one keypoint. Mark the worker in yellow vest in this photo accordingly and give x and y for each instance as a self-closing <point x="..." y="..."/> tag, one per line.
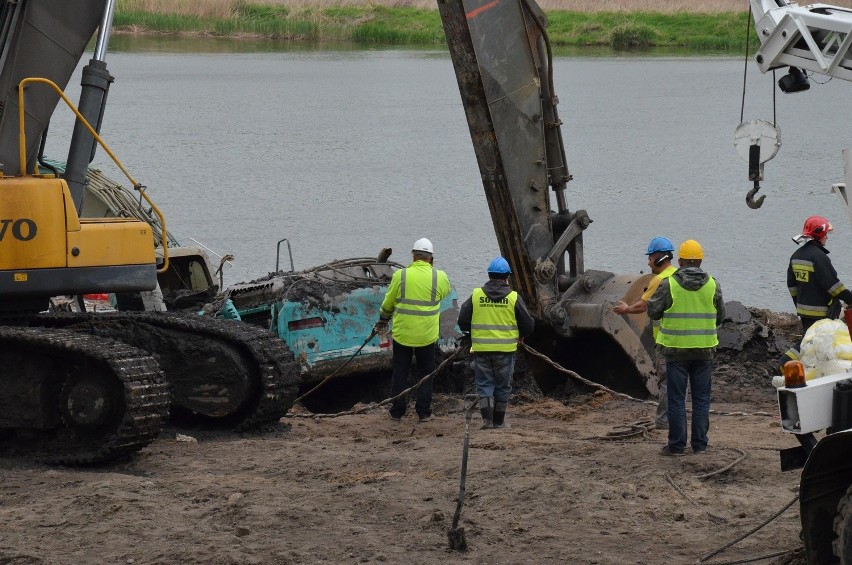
<point x="412" y="305"/>
<point x="496" y="318"/>
<point x="690" y="307"/>
<point x="660" y="254"/>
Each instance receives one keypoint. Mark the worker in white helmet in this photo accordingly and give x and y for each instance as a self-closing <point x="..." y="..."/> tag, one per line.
<point x="413" y="306"/>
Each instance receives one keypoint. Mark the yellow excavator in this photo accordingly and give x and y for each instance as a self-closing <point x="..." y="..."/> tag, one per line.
<point x="84" y="388"/>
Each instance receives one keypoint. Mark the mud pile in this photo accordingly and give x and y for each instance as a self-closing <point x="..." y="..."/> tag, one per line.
<point x="751" y="342"/>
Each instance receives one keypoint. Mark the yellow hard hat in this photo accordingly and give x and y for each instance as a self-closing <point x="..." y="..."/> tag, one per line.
<point x="690" y="249"/>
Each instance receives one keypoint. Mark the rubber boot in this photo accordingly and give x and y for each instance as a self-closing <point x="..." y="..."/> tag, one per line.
<point x="500" y="415"/>
<point x="486" y="408"/>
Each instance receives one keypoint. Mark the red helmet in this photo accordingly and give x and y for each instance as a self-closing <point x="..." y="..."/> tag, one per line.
<point x="816" y="227"/>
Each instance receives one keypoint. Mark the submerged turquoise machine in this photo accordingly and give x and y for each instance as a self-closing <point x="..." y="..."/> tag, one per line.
<point x="324" y="314"/>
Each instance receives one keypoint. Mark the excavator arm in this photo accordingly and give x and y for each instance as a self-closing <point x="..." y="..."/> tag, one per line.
<point x="38" y="38"/>
<point x="503" y="65"/>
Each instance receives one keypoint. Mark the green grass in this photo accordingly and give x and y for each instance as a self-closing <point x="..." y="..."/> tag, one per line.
<point x="377" y="24"/>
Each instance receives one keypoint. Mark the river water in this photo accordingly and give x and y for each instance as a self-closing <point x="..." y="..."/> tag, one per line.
<point x="346" y="150"/>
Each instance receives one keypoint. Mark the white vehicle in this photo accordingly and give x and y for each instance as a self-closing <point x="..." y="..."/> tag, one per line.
<point x="817" y="39"/>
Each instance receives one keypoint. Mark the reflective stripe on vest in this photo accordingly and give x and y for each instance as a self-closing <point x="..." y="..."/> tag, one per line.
<point x="667" y="272"/>
<point x="811" y="311"/>
<point x="690" y="322"/>
<point x="416" y="307"/>
<point x="493" y="324"/>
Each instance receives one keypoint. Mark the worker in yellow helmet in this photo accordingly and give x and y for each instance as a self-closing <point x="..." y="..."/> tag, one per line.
<point x="690" y="307"/>
<point x="660" y="254"/>
<point x="412" y="305"/>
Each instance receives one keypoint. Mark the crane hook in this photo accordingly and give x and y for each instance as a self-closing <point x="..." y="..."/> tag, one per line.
<point x="752" y="203"/>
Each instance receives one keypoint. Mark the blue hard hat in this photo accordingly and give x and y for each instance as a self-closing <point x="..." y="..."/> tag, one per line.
<point x="499" y="266"/>
<point x="659" y="244"/>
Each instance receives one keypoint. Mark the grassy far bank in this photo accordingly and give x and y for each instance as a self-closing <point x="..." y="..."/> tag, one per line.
<point x="377" y="23"/>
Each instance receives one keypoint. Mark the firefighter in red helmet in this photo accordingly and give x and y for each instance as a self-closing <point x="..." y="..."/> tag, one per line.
<point x="811" y="278"/>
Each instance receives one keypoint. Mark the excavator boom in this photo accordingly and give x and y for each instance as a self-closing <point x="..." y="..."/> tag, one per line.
<point x="38" y="38"/>
<point x="503" y="69"/>
<point x="503" y="65"/>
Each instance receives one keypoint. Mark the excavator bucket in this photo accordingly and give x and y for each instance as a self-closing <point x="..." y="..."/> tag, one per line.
<point x="502" y="58"/>
<point x="612" y="350"/>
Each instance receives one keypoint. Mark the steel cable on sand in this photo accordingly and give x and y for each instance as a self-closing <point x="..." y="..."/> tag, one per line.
<point x="599" y="386"/>
<point x="331" y="376"/>
<point x="704" y="558"/>
<point x="386" y="401"/>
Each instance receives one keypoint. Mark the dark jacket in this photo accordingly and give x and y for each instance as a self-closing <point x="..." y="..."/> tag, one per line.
<point x="496" y="290"/>
<point x="814" y="285"/>
<point x="690" y="278"/>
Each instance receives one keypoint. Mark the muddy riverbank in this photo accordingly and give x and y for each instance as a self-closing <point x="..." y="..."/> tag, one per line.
<point x="564" y="485"/>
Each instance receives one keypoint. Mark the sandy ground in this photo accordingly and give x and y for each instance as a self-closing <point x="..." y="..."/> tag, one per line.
<point x="555" y="488"/>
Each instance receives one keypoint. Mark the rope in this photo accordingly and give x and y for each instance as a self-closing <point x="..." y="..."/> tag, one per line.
<point x="640" y="428"/>
<point x="742" y="457"/>
<point x="576" y="376"/>
<point x="386" y="401"/>
<point x="704" y="558"/>
<point x="686" y="496"/>
<point x="752" y="559"/>
<point x="598" y="386"/>
<point x="331" y="376"/>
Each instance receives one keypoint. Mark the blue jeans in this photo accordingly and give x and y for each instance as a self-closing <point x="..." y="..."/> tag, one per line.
<point x="493" y="374"/>
<point x="662" y="398"/>
<point x="697" y="373"/>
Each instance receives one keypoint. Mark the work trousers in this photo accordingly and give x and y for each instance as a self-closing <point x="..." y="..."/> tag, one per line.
<point x="493" y="375"/>
<point x="662" y="419"/>
<point x="402" y="357"/>
<point x="696" y="373"/>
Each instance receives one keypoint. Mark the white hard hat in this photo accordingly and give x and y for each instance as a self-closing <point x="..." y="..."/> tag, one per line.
<point x="422" y="244"/>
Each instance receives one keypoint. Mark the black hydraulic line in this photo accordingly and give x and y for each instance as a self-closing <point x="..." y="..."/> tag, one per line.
<point x="40" y="158"/>
<point x="706" y="557"/>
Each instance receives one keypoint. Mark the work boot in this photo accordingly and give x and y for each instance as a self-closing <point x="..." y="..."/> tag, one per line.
<point x="500" y="415"/>
<point x="486" y="408"/>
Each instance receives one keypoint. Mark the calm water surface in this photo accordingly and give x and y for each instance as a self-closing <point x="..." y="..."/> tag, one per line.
<point x="345" y="151"/>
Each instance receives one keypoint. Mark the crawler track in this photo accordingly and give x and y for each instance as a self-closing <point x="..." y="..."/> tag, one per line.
<point x="75" y="399"/>
<point x="229" y="373"/>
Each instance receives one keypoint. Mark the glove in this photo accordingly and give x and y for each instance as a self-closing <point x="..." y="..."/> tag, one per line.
<point x="381" y="327"/>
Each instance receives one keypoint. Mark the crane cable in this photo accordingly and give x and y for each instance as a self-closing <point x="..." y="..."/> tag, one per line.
<point x="745" y="74"/>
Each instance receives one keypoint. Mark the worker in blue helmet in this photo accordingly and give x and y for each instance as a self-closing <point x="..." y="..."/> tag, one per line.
<point x="496" y="318"/>
<point x="660" y="255"/>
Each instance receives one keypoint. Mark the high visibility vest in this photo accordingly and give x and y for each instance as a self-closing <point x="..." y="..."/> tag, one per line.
<point x="690" y="322"/>
<point x="414" y="297"/>
<point x="667" y="272"/>
<point x="493" y="325"/>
